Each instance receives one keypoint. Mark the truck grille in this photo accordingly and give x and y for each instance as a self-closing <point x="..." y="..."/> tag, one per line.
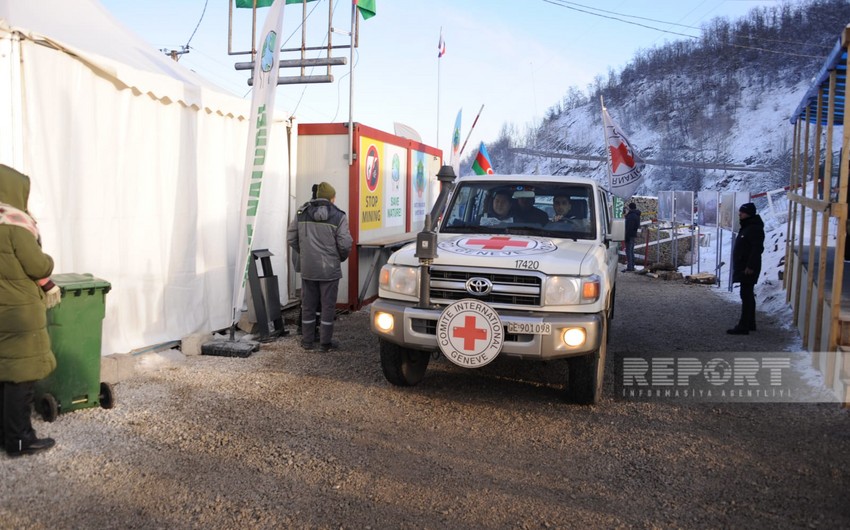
<point x="429" y="327"/>
<point x="509" y="288"/>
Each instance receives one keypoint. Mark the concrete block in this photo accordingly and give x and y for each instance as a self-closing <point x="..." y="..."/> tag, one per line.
<point x="246" y="325"/>
<point x="191" y="345"/>
<point x="116" y="367"/>
<point x="108" y="369"/>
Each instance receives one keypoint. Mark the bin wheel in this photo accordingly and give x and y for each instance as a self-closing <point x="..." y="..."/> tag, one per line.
<point x="49" y="408"/>
<point x="107" y="396"/>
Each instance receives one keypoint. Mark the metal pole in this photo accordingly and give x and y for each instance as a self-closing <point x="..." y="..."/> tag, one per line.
<point x="437" y="144"/>
<point x="351" y="88"/>
<point x="460" y="153"/>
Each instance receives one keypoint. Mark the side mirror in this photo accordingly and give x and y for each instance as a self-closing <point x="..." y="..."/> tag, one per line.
<point x="618" y="230"/>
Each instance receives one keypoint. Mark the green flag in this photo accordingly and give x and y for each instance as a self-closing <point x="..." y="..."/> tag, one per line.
<point x="367" y="8"/>
<point x="264" y="3"/>
<point x="250" y="3"/>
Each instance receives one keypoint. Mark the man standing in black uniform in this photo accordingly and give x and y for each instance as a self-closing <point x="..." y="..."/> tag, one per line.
<point x="320" y="235"/>
<point x="746" y="265"/>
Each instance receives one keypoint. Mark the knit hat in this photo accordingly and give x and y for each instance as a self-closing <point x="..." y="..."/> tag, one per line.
<point x="748" y="208"/>
<point x="325" y="191"/>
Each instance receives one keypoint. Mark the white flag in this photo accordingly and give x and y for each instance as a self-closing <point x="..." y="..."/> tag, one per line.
<point x="266" y="66"/>
<point x="625" y="167"/>
<point x="455" y="157"/>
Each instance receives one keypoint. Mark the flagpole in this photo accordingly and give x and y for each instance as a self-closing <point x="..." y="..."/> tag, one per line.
<point x="351" y="86"/>
<point x="460" y="153"/>
<point x="439" y="56"/>
<point x="605" y="145"/>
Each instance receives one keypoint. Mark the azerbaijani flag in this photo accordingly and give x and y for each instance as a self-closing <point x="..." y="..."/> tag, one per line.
<point x="481" y="165"/>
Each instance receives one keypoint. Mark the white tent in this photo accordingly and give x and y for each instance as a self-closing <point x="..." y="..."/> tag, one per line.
<point x="136" y="166"/>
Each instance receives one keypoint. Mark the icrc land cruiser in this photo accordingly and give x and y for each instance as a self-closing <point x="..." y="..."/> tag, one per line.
<point x="511" y="274"/>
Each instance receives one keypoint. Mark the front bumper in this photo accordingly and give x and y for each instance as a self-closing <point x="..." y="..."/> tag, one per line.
<point x="415" y="328"/>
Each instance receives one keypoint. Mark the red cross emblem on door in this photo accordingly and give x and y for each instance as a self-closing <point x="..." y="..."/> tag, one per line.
<point x="498" y="243"/>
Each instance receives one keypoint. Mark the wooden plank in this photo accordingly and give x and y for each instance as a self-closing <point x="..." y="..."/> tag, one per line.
<point x="789" y="242"/>
<point x="816" y="205"/>
<point x="813" y="231"/>
<point x="841" y="211"/>
<point x="805" y="171"/>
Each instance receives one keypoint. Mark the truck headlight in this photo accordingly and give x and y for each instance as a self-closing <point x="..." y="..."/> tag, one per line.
<point x="400" y="280"/>
<point x="569" y="290"/>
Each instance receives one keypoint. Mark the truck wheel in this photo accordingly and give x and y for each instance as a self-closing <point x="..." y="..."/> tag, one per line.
<point x="402" y="366"/>
<point x="585" y="376"/>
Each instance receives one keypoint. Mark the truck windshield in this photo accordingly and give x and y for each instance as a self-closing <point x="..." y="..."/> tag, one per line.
<point x="534" y="208"/>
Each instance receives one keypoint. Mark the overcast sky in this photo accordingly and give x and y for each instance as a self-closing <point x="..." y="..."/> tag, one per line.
<point x="516" y="57"/>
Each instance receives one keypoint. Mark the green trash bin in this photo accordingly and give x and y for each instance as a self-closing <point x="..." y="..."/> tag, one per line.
<point x="75" y="327"/>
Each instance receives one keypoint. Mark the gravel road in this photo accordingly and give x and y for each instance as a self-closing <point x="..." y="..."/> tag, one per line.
<point x="295" y="439"/>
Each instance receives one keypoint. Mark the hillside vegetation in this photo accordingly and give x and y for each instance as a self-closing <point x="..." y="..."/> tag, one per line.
<point x="724" y="99"/>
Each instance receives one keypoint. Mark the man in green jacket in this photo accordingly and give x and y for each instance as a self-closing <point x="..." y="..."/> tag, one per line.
<point x="25" y="354"/>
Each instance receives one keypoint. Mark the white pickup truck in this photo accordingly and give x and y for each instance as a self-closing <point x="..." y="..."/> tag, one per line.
<point x="525" y="266"/>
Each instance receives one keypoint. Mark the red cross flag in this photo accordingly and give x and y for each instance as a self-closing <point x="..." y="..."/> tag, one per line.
<point x="625" y="167"/>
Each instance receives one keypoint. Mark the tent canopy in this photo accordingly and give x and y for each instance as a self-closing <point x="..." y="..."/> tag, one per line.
<point x="137" y="166"/>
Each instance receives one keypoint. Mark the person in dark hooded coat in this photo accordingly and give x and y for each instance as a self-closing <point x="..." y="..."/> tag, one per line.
<point x="25" y="353"/>
<point x="632" y="227"/>
<point x="746" y="265"/>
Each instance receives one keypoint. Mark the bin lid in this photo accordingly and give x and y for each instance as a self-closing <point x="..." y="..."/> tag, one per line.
<point x="78" y="282"/>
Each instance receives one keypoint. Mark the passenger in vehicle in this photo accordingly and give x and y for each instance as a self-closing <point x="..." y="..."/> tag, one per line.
<point x="526" y="212"/>
<point x="501" y="206"/>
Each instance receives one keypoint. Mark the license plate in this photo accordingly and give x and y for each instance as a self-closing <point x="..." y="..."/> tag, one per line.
<point x="530" y="328"/>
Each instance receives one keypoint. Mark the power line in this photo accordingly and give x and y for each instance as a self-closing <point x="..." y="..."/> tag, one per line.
<point x="176" y="54"/>
<point x="559" y="4"/>
<point x="198" y="24"/>
<point x="570" y="5"/>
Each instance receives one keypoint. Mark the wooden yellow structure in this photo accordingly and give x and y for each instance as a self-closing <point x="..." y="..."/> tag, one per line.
<point x="814" y="278"/>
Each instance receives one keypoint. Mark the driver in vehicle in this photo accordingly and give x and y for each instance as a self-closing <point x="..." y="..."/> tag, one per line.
<point x="562" y="206"/>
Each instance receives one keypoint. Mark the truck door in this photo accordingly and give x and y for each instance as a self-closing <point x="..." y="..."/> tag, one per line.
<point x="605" y="215"/>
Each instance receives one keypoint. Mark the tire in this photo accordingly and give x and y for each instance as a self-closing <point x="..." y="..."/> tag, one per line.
<point x="107" y="396"/>
<point x="586" y="373"/>
<point x="49" y="407"/>
<point x="403" y="366"/>
<point x="613" y="299"/>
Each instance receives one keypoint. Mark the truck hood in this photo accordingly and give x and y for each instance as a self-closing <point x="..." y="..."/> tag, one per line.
<point x="547" y="255"/>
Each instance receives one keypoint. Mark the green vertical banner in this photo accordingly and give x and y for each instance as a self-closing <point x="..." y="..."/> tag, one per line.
<point x="266" y="66"/>
<point x="619" y="206"/>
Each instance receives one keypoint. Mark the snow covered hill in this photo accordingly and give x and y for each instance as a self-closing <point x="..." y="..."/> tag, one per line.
<point x="724" y="100"/>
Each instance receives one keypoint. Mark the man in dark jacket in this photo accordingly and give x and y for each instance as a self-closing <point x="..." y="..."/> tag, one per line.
<point x="25" y="354"/>
<point x="632" y="226"/>
<point x="746" y="265"/>
<point x="322" y="239"/>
